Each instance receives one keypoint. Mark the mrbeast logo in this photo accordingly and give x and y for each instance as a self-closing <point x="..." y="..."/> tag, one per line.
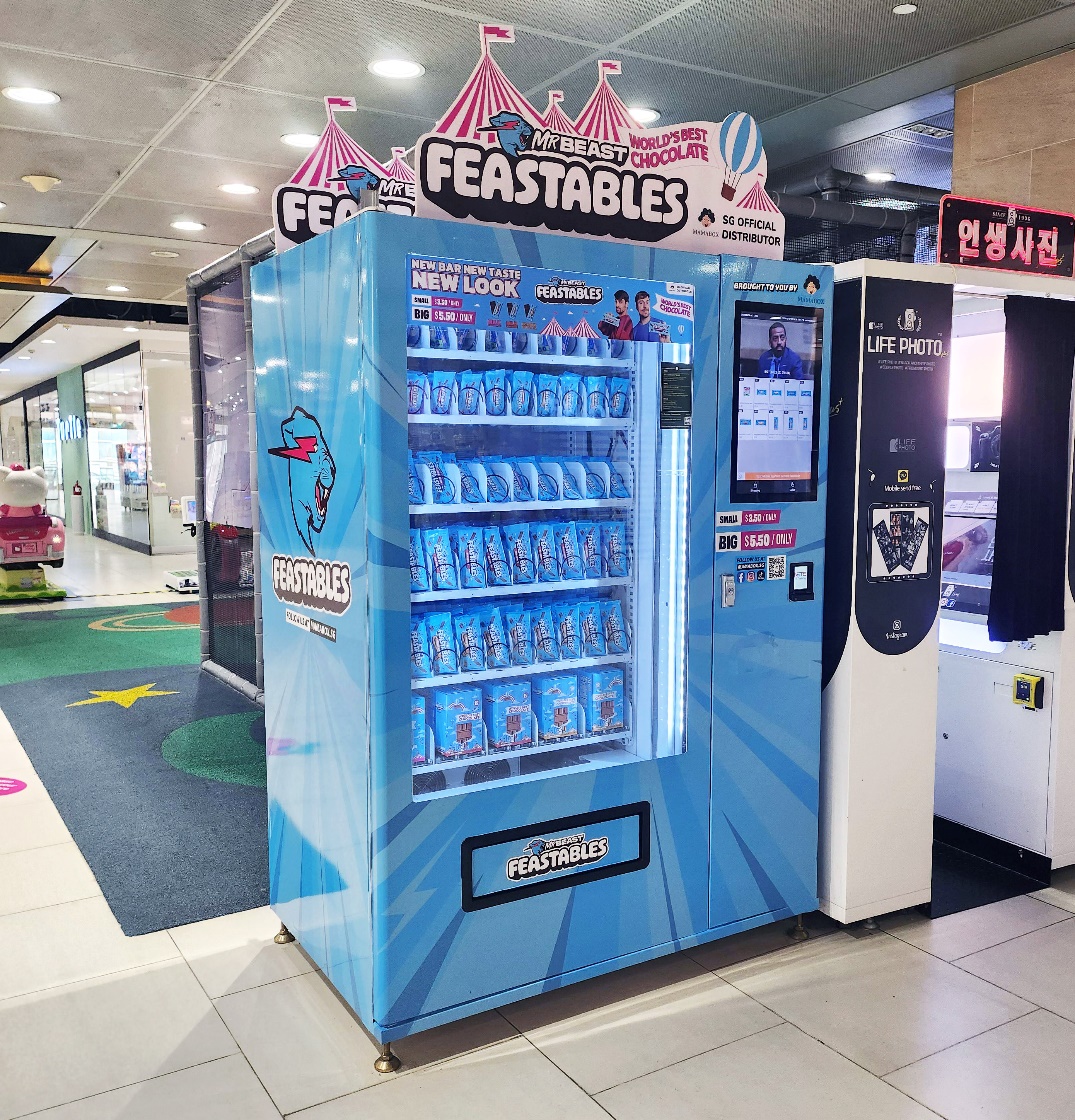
<point x="542" y="857"/>
<point x="518" y="185"/>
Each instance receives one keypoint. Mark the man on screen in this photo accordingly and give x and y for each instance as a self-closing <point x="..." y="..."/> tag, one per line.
<point x="618" y="325"/>
<point x="647" y="329"/>
<point x="780" y="360"/>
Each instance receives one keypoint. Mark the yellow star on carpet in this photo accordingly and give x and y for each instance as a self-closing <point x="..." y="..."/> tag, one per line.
<point x="124" y="697"/>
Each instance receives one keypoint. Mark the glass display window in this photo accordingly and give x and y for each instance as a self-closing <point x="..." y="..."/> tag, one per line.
<point x="13" y="447"/>
<point x="43" y="439"/>
<point x="548" y="535"/>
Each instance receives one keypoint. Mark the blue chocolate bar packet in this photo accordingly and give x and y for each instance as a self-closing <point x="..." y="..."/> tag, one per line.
<point x="442" y="392"/>
<point x="548" y="396"/>
<point x="442" y="647"/>
<point x="543" y="630"/>
<point x="567" y="631"/>
<point x="419" y="572"/>
<point x="616" y="640"/>
<point x="572" y="400"/>
<point x="440" y="559"/>
<point x="595" y="484"/>
<point x="417" y="390"/>
<point x="496" y="391"/>
<point x="495" y="486"/>
<point x="470" y="552"/>
<point x="468" y="482"/>
<point x="421" y="661"/>
<point x="522" y="392"/>
<point x="521" y="491"/>
<point x="495" y="639"/>
<point x="520" y="638"/>
<point x="443" y="487"/>
<point x="614" y="546"/>
<point x="416" y="490"/>
<point x="590" y="549"/>
<point x="468" y="641"/>
<point x="596" y="397"/>
<point x="497" y="568"/>
<point x="544" y="549"/>
<point x="571" y="487"/>
<point x="619" y="396"/>
<point x="568" y="555"/>
<point x="470" y="392"/>
<point x="592" y="630"/>
<point x="520" y="554"/>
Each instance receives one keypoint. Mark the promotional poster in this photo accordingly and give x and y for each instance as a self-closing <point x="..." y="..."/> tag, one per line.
<point x="494" y="158"/>
<point x="904" y="411"/>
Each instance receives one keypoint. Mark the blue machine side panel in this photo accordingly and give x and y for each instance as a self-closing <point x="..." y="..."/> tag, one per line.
<point x="767" y="661"/>
<point x="307" y="349"/>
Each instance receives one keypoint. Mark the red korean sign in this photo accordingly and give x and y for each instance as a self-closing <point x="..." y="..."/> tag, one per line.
<point x="1007" y="238"/>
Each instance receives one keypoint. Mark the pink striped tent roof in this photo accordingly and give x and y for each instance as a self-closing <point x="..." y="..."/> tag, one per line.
<point x="582" y="329"/>
<point x="605" y="116"/>
<point x="554" y="328"/>
<point x="399" y="168"/>
<point x="486" y="93"/>
<point x="555" y="118"/>
<point x="757" y="199"/>
<point x="334" y="150"/>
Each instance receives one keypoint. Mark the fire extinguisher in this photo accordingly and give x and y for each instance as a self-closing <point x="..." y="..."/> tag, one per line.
<point x="78" y="514"/>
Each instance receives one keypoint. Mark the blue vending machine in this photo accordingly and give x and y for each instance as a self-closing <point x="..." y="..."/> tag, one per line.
<point x="542" y="535"/>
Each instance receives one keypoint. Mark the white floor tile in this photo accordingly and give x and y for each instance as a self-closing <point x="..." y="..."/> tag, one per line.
<point x="68" y="1043"/>
<point x="1018" y="1071"/>
<point x="509" y="1081"/>
<point x="453" y="1040"/>
<point x="758" y="942"/>
<point x="1037" y="967"/>
<point x="73" y="941"/>
<point x="880" y="1002"/>
<point x="44" y="877"/>
<point x="956" y="935"/>
<point x="302" y="1042"/>
<point x="225" y="1089"/>
<point x="773" y="1075"/>
<point x="237" y="952"/>
<point x="1062" y="891"/>
<point x="29" y="822"/>
<point x="626" y="1024"/>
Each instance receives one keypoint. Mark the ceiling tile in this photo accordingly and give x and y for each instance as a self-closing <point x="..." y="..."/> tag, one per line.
<point x="336" y="39"/>
<point x="99" y="101"/>
<point x="679" y="94"/>
<point x="131" y="215"/>
<point x="187" y="179"/>
<point x="82" y="165"/>
<point x="243" y="124"/>
<point x="24" y="206"/>
<point x="184" y="38"/>
<point x="824" y="47"/>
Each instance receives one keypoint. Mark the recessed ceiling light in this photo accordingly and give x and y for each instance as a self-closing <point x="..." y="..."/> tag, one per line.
<point x="396" y="68"/>
<point x="23" y="357"/>
<point x="116" y="288"/>
<point x="643" y="116"/>
<point x="163" y="253"/>
<point x="237" y="188"/>
<point x="130" y="330"/>
<point x="48" y="342"/>
<point x="880" y="176"/>
<point x="30" y="96"/>
<point x="300" y="139"/>
<point x="187" y="225"/>
<point x="905" y="9"/>
<point x="5" y="369"/>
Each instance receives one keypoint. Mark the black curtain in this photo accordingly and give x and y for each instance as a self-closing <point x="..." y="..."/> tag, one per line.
<point x="1032" y="500"/>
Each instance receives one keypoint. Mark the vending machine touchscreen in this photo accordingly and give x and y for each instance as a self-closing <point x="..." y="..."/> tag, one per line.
<point x="775" y="441"/>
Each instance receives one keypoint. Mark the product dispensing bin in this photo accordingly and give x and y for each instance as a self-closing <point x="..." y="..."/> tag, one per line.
<point x="542" y="612"/>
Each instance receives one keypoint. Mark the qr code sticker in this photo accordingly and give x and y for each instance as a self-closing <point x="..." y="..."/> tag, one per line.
<point x="776" y="567"/>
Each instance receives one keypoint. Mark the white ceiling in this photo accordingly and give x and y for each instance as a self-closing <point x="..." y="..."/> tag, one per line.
<point x="63" y="344"/>
<point x="163" y="102"/>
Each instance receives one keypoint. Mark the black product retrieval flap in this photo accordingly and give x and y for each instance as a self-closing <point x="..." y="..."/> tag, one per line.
<point x="677" y="395"/>
<point x="800" y="580"/>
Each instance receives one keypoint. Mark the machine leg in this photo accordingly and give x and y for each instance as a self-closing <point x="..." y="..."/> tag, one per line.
<point x="799" y="932"/>
<point x="870" y="924"/>
<point x="285" y="936"/>
<point x="387" y="1062"/>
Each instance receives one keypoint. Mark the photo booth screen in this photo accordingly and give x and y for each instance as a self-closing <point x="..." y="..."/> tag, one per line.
<point x="778" y="364"/>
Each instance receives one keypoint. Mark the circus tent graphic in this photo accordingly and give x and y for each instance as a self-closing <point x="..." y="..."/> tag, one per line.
<point x="605" y="116"/>
<point x="334" y="150"/>
<point x="582" y="329"/>
<point x="555" y="118"/>
<point x="553" y="328"/>
<point x="757" y="199"/>
<point x="486" y="93"/>
<point x="398" y="168"/>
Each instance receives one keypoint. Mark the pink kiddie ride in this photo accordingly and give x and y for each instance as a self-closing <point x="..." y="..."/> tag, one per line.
<point x="29" y="537"/>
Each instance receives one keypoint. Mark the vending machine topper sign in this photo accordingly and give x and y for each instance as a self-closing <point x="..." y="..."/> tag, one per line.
<point x="1004" y="237"/>
<point x="493" y="158"/>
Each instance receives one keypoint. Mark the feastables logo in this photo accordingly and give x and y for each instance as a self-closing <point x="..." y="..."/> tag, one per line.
<point x="302" y="581"/>
<point x="542" y="857"/>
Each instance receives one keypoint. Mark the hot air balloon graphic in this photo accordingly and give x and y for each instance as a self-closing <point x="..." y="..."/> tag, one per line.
<point x="740" y="146"/>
